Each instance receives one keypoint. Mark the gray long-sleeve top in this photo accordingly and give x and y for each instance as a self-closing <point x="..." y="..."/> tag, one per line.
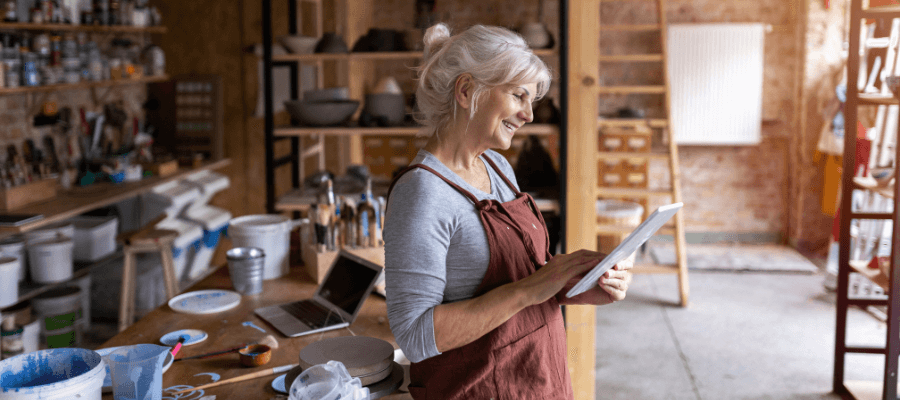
<point x="435" y="250"/>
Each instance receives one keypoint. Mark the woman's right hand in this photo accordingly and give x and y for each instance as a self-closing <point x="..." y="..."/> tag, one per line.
<point x="547" y="281"/>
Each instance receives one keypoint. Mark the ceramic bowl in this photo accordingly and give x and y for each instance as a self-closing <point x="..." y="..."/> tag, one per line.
<point x="255" y="355"/>
<point x="328" y="94"/>
<point x="321" y="113"/>
<point x="882" y="175"/>
<point x="299" y="44"/>
<point x="389" y="106"/>
<point x="331" y="43"/>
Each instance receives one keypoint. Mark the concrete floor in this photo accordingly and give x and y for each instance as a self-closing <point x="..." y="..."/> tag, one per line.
<point x="744" y="336"/>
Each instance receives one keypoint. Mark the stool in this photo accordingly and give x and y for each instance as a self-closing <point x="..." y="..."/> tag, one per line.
<point x="147" y="240"/>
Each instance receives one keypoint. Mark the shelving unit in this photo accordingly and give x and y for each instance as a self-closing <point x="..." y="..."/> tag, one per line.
<point x="81" y="28"/>
<point x="82" y="85"/>
<point x="356" y="71"/>
<point x="887" y="388"/>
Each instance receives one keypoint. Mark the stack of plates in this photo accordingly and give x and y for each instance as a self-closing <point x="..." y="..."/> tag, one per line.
<point x="369" y="359"/>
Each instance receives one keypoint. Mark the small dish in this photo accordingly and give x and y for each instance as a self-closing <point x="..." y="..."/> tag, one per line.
<point x="278" y="384"/>
<point x="194" y="336"/>
<point x="255" y="355"/>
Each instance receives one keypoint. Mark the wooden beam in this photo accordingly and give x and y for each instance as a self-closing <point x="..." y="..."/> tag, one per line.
<point x="583" y="61"/>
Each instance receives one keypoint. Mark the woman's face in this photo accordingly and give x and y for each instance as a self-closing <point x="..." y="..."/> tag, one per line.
<point x="501" y="113"/>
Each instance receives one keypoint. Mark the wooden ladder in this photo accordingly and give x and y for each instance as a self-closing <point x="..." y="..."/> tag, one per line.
<point x="644" y="128"/>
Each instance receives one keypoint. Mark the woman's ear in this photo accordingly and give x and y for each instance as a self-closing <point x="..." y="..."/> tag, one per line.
<point x="463" y="90"/>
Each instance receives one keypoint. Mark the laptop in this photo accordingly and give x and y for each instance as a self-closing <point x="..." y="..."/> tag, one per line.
<point x="336" y="302"/>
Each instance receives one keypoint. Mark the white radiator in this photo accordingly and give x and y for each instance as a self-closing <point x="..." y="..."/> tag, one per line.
<point x="716" y="81"/>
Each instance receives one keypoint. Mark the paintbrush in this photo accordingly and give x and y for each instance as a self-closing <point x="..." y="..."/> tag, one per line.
<point x="269" y="340"/>
<point x="258" y="374"/>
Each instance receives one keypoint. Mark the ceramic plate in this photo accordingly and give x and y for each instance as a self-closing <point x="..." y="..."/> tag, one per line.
<point x="278" y="384"/>
<point x="194" y="336"/>
<point x="107" y="380"/>
<point x="205" y="301"/>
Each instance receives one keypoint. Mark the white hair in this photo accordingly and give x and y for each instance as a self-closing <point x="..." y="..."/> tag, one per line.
<point x="493" y="56"/>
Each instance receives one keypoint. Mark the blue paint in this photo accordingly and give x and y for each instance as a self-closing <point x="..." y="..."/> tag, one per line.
<point x="45" y="370"/>
<point x="193" y="336"/>
<point x="252" y="325"/>
<point x="212" y="376"/>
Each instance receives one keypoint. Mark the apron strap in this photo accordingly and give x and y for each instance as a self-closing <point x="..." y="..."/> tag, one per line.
<point x="505" y="179"/>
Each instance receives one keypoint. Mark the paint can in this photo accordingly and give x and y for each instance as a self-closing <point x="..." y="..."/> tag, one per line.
<point x="84" y="283"/>
<point x="9" y="281"/>
<point x="14" y="246"/>
<point x="271" y="233"/>
<point x="59" y="311"/>
<point x="50" y="260"/>
<point x="622" y="214"/>
<point x="54" y="374"/>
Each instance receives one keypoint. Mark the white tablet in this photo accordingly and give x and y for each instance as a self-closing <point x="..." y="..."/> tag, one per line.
<point x="628" y="246"/>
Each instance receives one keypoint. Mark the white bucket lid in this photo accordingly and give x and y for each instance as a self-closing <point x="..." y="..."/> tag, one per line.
<point x="12" y="243"/>
<point x="619" y="209"/>
<point x="260" y="223"/>
<point x="188" y="232"/>
<point x="4" y="261"/>
<point x="212" y="218"/>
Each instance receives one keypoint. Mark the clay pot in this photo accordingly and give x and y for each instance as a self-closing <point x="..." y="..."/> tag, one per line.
<point x="331" y="43"/>
<point x="536" y="35"/>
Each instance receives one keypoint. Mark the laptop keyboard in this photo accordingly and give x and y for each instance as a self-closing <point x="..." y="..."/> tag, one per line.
<point x="311" y="314"/>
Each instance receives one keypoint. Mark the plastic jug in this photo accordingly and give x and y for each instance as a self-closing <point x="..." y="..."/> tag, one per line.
<point x="329" y="381"/>
<point x="137" y="371"/>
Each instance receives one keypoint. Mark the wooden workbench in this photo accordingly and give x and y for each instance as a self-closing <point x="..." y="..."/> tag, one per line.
<point x="226" y="330"/>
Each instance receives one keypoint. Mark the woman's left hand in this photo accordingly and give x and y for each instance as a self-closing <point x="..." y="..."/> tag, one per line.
<point x="615" y="281"/>
<point x="611" y="287"/>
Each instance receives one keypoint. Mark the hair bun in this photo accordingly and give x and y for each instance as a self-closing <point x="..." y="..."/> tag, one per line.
<point x="435" y="37"/>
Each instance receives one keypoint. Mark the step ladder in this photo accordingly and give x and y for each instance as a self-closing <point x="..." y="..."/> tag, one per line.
<point x="641" y="131"/>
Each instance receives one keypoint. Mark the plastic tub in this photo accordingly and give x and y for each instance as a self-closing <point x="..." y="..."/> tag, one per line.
<point x="190" y="238"/>
<point x="59" y="311"/>
<point x="50" y="260"/>
<point x="271" y="233"/>
<point x="84" y="283"/>
<point x="14" y="246"/>
<point x="209" y="184"/>
<point x="9" y="281"/>
<point x="95" y="237"/>
<point x="54" y="374"/>
<point x="214" y="221"/>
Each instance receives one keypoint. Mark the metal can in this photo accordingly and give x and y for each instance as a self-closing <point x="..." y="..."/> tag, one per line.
<point x="12" y="343"/>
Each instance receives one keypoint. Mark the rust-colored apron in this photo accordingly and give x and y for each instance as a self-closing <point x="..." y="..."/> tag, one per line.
<point x="525" y="357"/>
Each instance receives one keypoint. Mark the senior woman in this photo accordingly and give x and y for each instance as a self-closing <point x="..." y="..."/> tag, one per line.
<point x="473" y="293"/>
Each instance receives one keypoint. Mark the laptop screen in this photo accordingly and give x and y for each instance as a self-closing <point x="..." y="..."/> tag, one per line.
<point x="347" y="283"/>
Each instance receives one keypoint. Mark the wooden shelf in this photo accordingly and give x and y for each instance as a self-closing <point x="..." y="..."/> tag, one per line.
<point x="877" y="99"/>
<point x="630" y="192"/>
<point x="373" y="56"/>
<point x="630" y="28"/>
<point x="632" y="122"/>
<point x="80" y="200"/>
<point x="81" y="28"/>
<point x="528" y="129"/>
<point x="632" y="58"/>
<point x="888" y="11"/>
<point x="870" y="184"/>
<point x="615" y="155"/>
<point x="82" y="85"/>
<point x="632" y="89"/>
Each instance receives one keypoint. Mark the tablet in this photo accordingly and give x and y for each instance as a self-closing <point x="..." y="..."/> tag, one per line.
<point x="638" y="237"/>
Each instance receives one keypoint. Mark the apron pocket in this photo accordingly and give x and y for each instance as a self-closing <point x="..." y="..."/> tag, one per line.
<point x="525" y="369"/>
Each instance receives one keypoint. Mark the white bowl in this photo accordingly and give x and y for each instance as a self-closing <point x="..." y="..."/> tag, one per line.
<point x="299" y="44"/>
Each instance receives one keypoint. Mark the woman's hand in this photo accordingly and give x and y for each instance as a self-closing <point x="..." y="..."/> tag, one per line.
<point x="547" y="281"/>
<point x="611" y="287"/>
<point x="615" y="281"/>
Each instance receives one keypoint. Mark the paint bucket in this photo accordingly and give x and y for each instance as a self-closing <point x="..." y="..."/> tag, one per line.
<point x="50" y="260"/>
<point x="617" y="213"/>
<point x="136" y="371"/>
<point x="59" y="310"/>
<point x="245" y="265"/>
<point x="14" y="246"/>
<point x="271" y="233"/>
<point x="54" y="374"/>
<point x="84" y="283"/>
<point x="9" y="282"/>
<point x="65" y="229"/>
<point x="31" y="336"/>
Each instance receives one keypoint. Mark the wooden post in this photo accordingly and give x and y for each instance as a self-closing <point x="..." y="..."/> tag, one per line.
<point x="583" y="60"/>
<point x="359" y="19"/>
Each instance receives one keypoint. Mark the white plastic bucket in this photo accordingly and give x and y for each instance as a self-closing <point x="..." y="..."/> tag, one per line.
<point x="54" y="374"/>
<point x="65" y="229"/>
<point x="59" y="311"/>
<point x="51" y="260"/>
<point x="9" y="282"/>
<point x="14" y="247"/>
<point x="271" y="233"/>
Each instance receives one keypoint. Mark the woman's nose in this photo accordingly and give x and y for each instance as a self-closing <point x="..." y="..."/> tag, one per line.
<point x="526" y="114"/>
